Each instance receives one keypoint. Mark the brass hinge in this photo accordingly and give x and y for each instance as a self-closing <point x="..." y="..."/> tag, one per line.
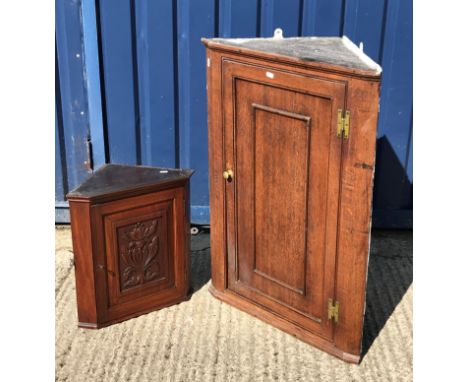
<point x="333" y="310"/>
<point x="342" y="124"/>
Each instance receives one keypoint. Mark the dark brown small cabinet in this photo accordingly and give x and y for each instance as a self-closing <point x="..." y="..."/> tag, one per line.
<point x="292" y="128"/>
<point x="130" y="230"/>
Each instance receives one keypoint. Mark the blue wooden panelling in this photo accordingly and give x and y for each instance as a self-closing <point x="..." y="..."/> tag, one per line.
<point x="156" y="56"/>
<point x="71" y="101"/>
<point x="93" y="82"/>
<point x="120" y="82"/>
<point x="393" y="181"/>
<point x="409" y="160"/>
<point x="284" y="14"/>
<point x="59" y="186"/>
<point x="322" y="18"/>
<point x="61" y="208"/>
<point x="364" y="22"/>
<point x="196" y="18"/>
<point x="144" y="79"/>
<point x="239" y="18"/>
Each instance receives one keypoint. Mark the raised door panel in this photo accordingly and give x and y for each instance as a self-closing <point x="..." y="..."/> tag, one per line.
<point x="282" y="203"/>
<point x="282" y="171"/>
<point x="139" y="251"/>
<point x="142" y="258"/>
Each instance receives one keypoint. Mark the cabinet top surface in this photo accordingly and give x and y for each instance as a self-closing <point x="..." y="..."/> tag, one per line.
<point x="335" y="51"/>
<point x="114" y="178"/>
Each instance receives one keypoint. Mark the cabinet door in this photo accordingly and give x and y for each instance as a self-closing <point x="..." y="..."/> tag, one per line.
<point x="281" y="143"/>
<point x="142" y="259"/>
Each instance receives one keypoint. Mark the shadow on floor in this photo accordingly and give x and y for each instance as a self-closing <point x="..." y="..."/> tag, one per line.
<point x="390" y="275"/>
<point x="200" y="257"/>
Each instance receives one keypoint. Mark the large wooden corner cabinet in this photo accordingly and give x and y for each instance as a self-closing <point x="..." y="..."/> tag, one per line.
<point x="292" y="131"/>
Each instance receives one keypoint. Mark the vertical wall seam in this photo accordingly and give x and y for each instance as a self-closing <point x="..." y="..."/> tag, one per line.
<point x="136" y="91"/>
<point x="92" y="80"/>
<point x="216" y="18"/>
<point x="225" y="18"/>
<point x="140" y="57"/>
<point x="382" y="32"/>
<point x="342" y="16"/>
<point x="61" y="134"/>
<point x="259" y="18"/>
<point x="300" y="17"/>
<point x="175" y="59"/>
<point x="388" y="70"/>
<point x="85" y="105"/>
<point x="184" y="112"/>
<point x="266" y="18"/>
<point x="102" y="83"/>
<point x="408" y="143"/>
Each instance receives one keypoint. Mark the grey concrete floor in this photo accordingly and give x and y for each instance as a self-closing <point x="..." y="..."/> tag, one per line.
<point x="206" y="340"/>
<point x="392" y="248"/>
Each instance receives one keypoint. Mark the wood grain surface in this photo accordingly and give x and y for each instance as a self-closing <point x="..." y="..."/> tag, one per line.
<point x="130" y="243"/>
<point x="291" y="229"/>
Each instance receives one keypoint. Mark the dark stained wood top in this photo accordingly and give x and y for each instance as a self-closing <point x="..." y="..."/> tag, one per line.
<point x="117" y="178"/>
<point x="334" y="51"/>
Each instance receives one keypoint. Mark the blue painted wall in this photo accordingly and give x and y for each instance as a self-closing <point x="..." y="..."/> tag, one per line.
<point x="130" y="84"/>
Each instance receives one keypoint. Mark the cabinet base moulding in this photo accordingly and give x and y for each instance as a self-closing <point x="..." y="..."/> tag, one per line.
<point x="91" y="325"/>
<point x="282" y="324"/>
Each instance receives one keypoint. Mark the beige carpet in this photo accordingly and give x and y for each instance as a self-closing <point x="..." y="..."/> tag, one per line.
<point x="206" y="340"/>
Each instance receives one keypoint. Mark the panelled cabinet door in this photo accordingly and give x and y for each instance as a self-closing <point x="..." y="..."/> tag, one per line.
<point x="292" y="130"/>
<point x="282" y="200"/>
<point x="141" y="261"/>
<point x="130" y="229"/>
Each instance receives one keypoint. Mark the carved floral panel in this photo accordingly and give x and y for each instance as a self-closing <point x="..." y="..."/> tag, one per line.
<point x="139" y="253"/>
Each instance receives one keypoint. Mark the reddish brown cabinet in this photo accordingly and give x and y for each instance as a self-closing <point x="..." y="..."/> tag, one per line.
<point x="130" y="227"/>
<point x="292" y="125"/>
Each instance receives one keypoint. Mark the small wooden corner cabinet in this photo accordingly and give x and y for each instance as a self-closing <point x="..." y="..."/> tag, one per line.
<point x="292" y="130"/>
<point x="130" y="230"/>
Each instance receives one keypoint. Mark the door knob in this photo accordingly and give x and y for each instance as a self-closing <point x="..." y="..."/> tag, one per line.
<point x="228" y="175"/>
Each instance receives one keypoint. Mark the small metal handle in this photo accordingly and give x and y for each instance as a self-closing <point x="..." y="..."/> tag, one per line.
<point x="228" y="175"/>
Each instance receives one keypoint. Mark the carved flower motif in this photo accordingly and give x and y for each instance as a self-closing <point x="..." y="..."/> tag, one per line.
<point x="139" y="247"/>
